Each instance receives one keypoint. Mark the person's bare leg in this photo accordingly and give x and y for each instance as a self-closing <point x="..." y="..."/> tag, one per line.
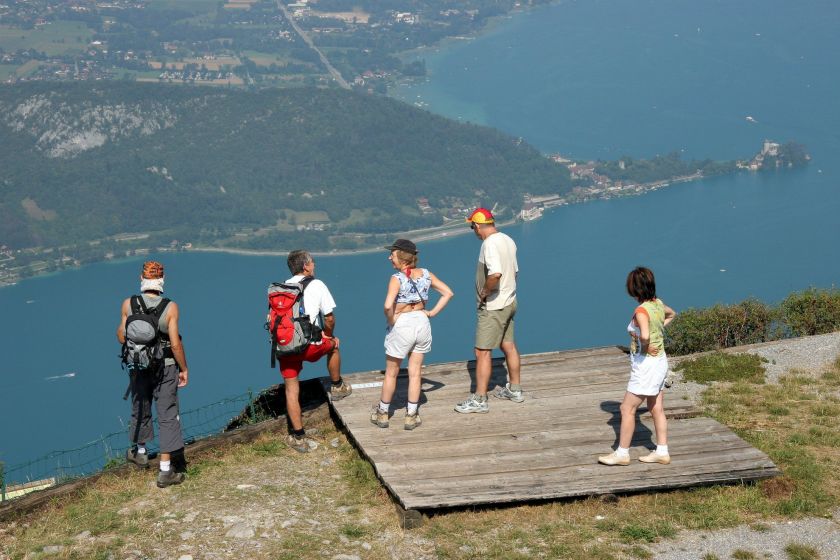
<point x="293" y="403"/>
<point x="334" y="363"/>
<point x="629" y="406"/>
<point x="512" y="360"/>
<point x="483" y="367"/>
<point x="415" y="363"/>
<point x="389" y="384"/>
<point x="660" y="423"/>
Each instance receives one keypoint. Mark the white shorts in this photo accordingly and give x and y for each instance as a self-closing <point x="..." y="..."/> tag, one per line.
<point x="411" y="333"/>
<point x="647" y="374"/>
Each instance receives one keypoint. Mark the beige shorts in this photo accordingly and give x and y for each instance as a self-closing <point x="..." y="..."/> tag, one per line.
<point x="494" y="327"/>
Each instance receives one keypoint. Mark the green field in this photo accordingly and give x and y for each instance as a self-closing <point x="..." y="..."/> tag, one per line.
<point x="59" y="37"/>
<point x="266" y="59"/>
<point x="307" y="217"/>
<point x="194" y="6"/>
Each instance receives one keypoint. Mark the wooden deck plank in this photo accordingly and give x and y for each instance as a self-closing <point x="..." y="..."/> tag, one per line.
<point x="543" y="448"/>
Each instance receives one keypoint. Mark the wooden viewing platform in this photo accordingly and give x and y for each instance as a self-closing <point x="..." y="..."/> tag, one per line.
<point x="546" y="447"/>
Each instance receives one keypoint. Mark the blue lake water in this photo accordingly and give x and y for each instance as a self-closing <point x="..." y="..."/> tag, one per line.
<point x="593" y="79"/>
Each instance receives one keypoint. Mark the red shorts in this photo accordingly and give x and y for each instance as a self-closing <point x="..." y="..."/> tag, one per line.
<point x="290" y="366"/>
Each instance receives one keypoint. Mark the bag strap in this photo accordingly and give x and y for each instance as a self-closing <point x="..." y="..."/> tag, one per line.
<point x="158" y="311"/>
<point x="416" y="289"/>
<point x="303" y="284"/>
<point x="138" y="305"/>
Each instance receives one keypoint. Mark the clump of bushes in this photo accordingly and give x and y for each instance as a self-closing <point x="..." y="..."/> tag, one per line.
<point x="812" y="311"/>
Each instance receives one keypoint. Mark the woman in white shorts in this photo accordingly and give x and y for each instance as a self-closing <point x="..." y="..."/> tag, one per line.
<point x="409" y="331"/>
<point x="648" y="369"/>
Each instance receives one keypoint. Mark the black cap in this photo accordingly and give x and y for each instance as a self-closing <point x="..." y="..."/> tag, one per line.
<point x="403" y="245"/>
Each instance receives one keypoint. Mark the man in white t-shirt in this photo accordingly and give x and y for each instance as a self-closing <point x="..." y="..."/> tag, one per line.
<point x="319" y="304"/>
<point x="495" y="286"/>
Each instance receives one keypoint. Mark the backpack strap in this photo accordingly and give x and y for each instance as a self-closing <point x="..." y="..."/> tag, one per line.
<point x="138" y="305"/>
<point x="303" y="284"/>
<point x="158" y="311"/>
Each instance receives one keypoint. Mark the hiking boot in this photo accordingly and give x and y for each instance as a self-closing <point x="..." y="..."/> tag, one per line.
<point x="378" y="417"/>
<point x="412" y="420"/>
<point x="506" y="393"/>
<point x="669" y="379"/>
<point x="139" y="459"/>
<point x="473" y="404"/>
<point x="614" y="459"/>
<point x="338" y="392"/>
<point x="655" y="457"/>
<point x="300" y="444"/>
<point x="169" y="478"/>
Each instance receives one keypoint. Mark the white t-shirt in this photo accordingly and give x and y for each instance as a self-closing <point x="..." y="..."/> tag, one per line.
<point x="317" y="300"/>
<point x="497" y="256"/>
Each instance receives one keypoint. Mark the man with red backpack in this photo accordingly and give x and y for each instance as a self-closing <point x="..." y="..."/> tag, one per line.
<point x="316" y="304"/>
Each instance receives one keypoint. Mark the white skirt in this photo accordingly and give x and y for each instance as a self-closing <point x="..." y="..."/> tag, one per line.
<point x="647" y="374"/>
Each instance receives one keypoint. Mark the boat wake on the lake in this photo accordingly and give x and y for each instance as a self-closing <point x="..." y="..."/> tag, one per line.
<point x="65" y="376"/>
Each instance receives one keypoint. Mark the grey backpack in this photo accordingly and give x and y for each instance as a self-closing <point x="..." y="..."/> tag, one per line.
<point x="143" y="350"/>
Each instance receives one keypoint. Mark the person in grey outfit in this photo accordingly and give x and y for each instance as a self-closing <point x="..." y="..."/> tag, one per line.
<point x="160" y="384"/>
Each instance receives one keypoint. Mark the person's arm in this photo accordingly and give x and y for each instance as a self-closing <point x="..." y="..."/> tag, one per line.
<point x="176" y="344"/>
<point x="126" y="307"/>
<point x="493" y="262"/>
<point x="445" y="295"/>
<point x="669" y="315"/>
<point x="390" y="300"/>
<point x="490" y="285"/>
<point x="329" y="324"/>
<point x="643" y="321"/>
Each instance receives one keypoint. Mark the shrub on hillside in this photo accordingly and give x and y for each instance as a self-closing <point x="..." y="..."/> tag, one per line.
<point x="720" y="326"/>
<point x="810" y="312"/>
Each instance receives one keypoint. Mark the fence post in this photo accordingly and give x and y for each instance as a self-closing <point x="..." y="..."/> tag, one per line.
<point x="2" y="481"/>
<point x="251" y="412"/>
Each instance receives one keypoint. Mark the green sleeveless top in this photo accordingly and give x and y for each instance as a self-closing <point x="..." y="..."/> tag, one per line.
<point x="655" y="310"/>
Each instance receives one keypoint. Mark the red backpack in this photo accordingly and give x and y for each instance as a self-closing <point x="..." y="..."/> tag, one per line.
<point x="288" y="324"/>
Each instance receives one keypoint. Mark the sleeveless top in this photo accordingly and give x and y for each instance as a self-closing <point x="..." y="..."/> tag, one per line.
<point x="655" y="310"/>
<point x="408" y="292"/>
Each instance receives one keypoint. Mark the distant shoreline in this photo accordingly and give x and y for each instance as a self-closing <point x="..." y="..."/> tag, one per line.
<point x="417" y="235"/>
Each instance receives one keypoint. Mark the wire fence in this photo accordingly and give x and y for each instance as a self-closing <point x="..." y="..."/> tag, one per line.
<point x="109" y="450"/>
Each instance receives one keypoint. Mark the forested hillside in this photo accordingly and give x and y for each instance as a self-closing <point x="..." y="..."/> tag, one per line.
<point x="86" y="161"/>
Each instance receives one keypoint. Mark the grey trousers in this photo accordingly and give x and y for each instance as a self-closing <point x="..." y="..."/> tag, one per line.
<point x="163" y="388"/>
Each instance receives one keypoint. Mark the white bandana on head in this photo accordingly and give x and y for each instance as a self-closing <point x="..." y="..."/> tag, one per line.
<point x="151" y="284"/>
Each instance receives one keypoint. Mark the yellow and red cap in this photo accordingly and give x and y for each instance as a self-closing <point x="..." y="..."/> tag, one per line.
<point x="481" y="216"/>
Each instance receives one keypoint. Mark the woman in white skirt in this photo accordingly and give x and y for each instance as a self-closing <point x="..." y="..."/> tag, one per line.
<point x="409" y="331"/>
<point x="648" y="369"/>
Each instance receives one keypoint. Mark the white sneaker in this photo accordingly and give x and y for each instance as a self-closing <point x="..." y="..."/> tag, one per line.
<point x="614" y="459"/>
<point x="473" y="404"/>
<point x="506" y="393"/>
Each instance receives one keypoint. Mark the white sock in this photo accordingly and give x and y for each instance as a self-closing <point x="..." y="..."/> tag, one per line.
<point x="164" y="466"/>
<point x="412" y="407"/>
<point x="622" y="451"/>
<point x="661" y="449"/>
<point x="383" y="406"/>
<point x="141" y="450"/>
